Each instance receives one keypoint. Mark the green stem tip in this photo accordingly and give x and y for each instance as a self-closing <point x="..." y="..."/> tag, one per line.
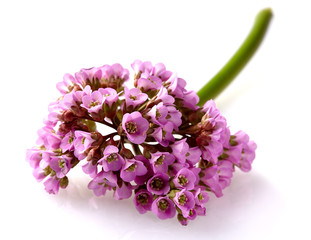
<point x="238" y="61"/>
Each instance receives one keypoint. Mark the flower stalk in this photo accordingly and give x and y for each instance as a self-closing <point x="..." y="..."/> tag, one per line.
<point x="239" y="60"/>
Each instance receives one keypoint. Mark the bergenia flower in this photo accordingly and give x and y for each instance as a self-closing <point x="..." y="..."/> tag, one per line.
<point x="143" y="201"/>
<point x="67" y="142"/>
<point x="163" y="207"/>
<point x="110" y="95"/>
<point x="180" y="149"/>
<point x="164" y="134"/>
<point x="134" y="97"/>
<point x="112" y="160"/>
<point x="184" y="200"/>
<point x="135" y="127"/>
<point x="123" y="192"/>
<point x="51" y="185"/>
<point x="184" y="179"/>
<point x="246" y="150"/>
<point x="161" y="160"/>
<point x="163" y="147"/>
<point x="61" y="165"/>
<point x="131" y="169"/>
<point x="201" y="197"/>
<point x="82" y="142"/>
<point x="67" y="85"/>
<point x="159" y="184"/>
<point x="102" y="182"/>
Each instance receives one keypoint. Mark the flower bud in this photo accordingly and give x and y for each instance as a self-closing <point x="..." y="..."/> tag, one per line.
<point x="63" y="183"/>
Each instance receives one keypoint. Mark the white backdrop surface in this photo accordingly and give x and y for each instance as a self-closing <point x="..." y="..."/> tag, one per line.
<point x="270" y="100"/>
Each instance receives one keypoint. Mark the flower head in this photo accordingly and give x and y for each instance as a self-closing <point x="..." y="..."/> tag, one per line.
<point x="160" y="146"/>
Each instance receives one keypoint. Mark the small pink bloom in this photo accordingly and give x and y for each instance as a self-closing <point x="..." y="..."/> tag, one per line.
<point x="131" y="169"/>
<point x="134" y="97"/>
<point x="67" y="84"/>
<point x="165" y="97"/>
<point x="177" y="86"/>
<point x="123" y="192"/>
<point x="61" y="165"/>
<point x="161" y="160"/>
<point x="112" y="160"/>
<point x="67" y="142"/>
<point x="110" y="95"/>
<point x="143" y="201"/>
<point x="102" y="182"/>
<point x="52" y="185"/>
<point x="184" y="200"/>
<point x="90" y="169"/>
<point x="159" y="184"/>
<point x="48" y="138"/>
<point x="140" y="180"/>
<point x="163" y="134"/>
<point x="34" y="157"/>
<point x="135" y="126"/>
<point x="147" y="83"/>
<point x="93" y="102"/>
<point x="201" y="197"/>
<point x="190" y="100"/>
<point x="193" y="156"/>
<point x="180" y="149"/>
<point x="184" y="179"/>
<point x="82" y="142"/>
<point x="163" y="207"/>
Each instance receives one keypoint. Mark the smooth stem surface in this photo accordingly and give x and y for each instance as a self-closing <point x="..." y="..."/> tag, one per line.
<point x="238" y="61"/>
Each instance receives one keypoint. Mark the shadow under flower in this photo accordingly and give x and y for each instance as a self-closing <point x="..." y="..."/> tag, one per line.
<point x="250" y="201"/>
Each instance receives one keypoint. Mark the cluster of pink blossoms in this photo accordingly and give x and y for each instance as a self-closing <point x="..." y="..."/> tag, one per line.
<point x="163" y="148"/>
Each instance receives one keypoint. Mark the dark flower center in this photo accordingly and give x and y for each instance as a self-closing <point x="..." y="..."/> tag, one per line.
<point x="93" y="104"/>
<point x="182" y="199"/>
<point x="156" y="183"/>
<point x="112" y="157"/>
<point x="160" y="160"/>
<point x="61" y="163"/>
<point x="131" y="127"/>
<point x="163" y="205"/>
<point x="163" y="134"/>
<point x="200" y="197"/>
<point x="158" y="115"/>
<point x="142" y="198"/>
<point x="131" y="168"/>
<point x="191" y="212"/>
<point x="182" y="180"/>
<point x="133" y="97"/>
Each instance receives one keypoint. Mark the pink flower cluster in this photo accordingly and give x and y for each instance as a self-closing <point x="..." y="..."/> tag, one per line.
<point x="167" y="151"/>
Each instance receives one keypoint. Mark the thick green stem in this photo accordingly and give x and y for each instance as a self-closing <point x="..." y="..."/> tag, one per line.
<point x="238" y="61"/>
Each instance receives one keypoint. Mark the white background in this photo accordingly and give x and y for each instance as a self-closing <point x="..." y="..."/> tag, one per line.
<point x="270" y="100"/>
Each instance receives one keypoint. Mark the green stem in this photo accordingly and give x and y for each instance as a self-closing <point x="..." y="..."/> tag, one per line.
<point x="238" y="61"/>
